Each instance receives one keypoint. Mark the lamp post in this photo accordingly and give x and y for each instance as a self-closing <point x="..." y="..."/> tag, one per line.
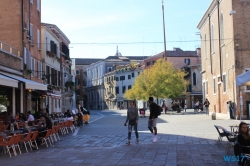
<point x="164" y="55"/>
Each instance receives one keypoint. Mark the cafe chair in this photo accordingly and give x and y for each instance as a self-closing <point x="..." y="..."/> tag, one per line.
<point x="17" y="141"/>
<point x="231" y="139"/>
<point x="26" y="140"/>
<point x="46" y="137"/>
<point x="9" y="144"/>
<point x="33" y="138"/>
<point x="221" y="134"/>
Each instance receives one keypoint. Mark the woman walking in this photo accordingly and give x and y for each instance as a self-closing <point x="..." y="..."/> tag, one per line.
<point x="132" y="119"/>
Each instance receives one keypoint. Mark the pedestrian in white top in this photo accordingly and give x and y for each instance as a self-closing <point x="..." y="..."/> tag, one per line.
<point x="30" y="117"/>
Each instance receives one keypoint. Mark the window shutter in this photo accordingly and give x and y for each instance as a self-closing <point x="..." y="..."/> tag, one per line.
<point x="38" y="5"/>
<point x="38" y="39"/>
<point x="31" y="33"/>
<point x="24" y="56"/>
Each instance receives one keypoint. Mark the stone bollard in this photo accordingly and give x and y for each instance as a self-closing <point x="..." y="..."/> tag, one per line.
<point x="213" y="116"/>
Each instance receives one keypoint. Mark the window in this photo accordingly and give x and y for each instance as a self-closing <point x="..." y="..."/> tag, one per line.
<point x="224" y="83"/>
<point x="122" y="78"/>
<point x="187" y="61"/>
<point x="133" y="74"/>
<point x="221" y="29"/>
<point x="59" y="77"/>
<point x="77" y="72"/>
<point x="55" y="103"/>
<point x="123" y="89"/>
<point x="189" y="88"/>
<point x="214" y="86"/>
<point x="129" y="87"/>
<point x="31" y="33"/>
<point x="109" y="69"/>
<point x="148" y="63"/>
<point x="194" y="78"/>
<point x="117" y="90"/>
<point x="32" y="66"/>
<point x="31" y="1"/>
<point x="129" y="77"/>
<point x="40" y="69"/>
<point x="38" y="40"/>
<point x="38" y="5"/>
<point x="117" y="78"/>
<point x="212" y="38"/>
<point x="77" y="81"/>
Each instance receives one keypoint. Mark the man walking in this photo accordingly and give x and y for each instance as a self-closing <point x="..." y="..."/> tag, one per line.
<point x="206" y="104"/>
<point x="153" y="118"/>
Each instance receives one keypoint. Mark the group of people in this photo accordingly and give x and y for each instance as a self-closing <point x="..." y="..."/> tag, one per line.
<point x="198" y="105"/>
<point x="133" y="117"/>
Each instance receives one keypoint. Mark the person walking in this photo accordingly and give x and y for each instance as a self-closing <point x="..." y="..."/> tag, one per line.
<point x="153" y="118"/>
<point x="132" y="119"/>
<point x="47" y="109"/>
<point x="206" y="104"/>
<point x="185" y="107"/>
<point x="164" y="106"/>
<point x="196" y="108"/>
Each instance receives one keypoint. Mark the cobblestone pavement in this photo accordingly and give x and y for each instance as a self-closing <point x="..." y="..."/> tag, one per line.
<point x="183" y="140"/>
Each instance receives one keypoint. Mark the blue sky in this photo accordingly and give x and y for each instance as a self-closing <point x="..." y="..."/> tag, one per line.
<point x="134" y="25"/>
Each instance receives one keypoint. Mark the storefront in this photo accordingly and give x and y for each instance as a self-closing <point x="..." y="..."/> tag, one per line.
<point x="18" y="94"/>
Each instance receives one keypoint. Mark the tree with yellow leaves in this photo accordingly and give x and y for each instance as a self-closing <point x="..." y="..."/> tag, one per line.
<point x="161" y="80"/>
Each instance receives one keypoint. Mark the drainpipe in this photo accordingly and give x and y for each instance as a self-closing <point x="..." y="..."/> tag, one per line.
<point x="210" y="45"/>
<point x="22" y="10"/>
<point x="219" y="39"/>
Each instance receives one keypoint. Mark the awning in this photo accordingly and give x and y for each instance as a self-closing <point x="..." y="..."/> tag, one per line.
<point x="243" y="78"/>
<point x="28" y="83"/>
<point x="54" y="96"/>
<point x="6" y="81"/>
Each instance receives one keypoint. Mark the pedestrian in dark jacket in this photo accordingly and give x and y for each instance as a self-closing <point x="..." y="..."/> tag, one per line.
<point x="206" y="104"/>
<point x="153" y="118"/>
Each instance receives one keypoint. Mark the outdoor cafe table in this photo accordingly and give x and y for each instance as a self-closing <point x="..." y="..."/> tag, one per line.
<point x="13" y="132"/>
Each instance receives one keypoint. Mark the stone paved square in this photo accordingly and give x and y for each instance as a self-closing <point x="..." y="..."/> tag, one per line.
<point x="183" y="140"/>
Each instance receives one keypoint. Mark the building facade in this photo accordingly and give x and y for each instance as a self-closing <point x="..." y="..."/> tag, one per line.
<point x="22" y="35"/>
<point x="224" y="31"/>
<point x="194" y="90"/>
<point x="65" y="77"/>
<point x="177" y="56"/>
<point x="81" y="65"/>
<point x="117" y="82"/>
<point x="51" y="68"/>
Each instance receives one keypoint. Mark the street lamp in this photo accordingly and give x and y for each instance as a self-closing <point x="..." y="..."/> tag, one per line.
<point x="165" y="52"/>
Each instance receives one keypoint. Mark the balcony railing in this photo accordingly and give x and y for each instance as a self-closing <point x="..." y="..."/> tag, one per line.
<point x="9" y="49"/>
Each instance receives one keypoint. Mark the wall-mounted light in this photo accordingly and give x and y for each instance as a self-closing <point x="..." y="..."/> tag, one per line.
<point x="30" y="90"/>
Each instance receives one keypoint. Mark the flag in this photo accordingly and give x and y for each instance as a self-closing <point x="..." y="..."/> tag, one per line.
<point x="243" y="78"/>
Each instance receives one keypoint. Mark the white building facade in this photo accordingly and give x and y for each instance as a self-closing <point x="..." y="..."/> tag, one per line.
<point x="51" y="68"/>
